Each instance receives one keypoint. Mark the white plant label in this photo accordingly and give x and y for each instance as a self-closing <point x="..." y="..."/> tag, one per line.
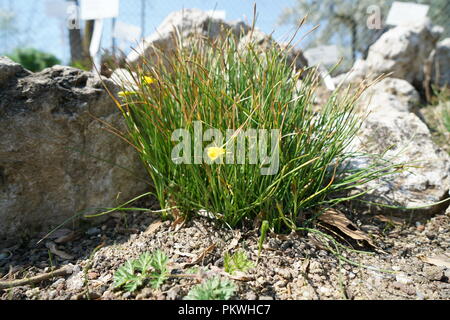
<point x="98" y="9"/>
<point x="96" y="43"/>
<point x="406" y="13"/>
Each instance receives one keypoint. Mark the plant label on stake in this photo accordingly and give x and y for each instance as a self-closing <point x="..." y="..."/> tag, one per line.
<point x="95" y="43"/>
<point x="98" y="10"/>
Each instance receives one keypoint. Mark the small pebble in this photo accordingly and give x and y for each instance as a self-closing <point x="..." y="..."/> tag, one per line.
<point x="325" y="291"/>
<point x="172" y="294"/>
<point x="251" y="296"/>
<point x="93" y="275"/>
<point x="126" y="295"/>
<point x="420" y="295"/>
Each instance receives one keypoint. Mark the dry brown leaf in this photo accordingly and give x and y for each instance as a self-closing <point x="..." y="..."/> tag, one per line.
<point x="393" y="220"/>
<point x="239" y="276"/>
<point x="440" y="261"/>
<point x="337" y="219"/>
<point x="153" y="227"/>
<point x="178" y="223"/>
<point x="203" y="254"/>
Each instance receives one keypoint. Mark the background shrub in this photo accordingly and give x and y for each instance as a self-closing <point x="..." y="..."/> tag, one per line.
<point x="33" y="59"/>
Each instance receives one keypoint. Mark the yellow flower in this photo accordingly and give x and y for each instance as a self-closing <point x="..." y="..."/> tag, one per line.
<point x="124" y="94"/>
<point x="215" y="152"/>
<point x="149" y="80"/>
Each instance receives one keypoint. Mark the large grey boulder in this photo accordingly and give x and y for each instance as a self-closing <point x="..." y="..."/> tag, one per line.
<point x="185" y="24"/>
<point x="441" y="64"/>
<point x="261" y="42"/>
<point x="56" y="156"/>
<point x="400" y="136"/>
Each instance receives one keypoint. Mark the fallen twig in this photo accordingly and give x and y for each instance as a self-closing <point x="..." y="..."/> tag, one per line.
<point x="36" y="279"/>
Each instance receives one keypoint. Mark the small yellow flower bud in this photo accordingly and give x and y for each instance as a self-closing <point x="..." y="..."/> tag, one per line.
<point x="215" y="152"/>
<point x="149" y="80"/>
<point x="124" y="94"/>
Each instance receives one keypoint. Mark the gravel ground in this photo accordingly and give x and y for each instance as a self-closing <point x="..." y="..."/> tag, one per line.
<point x="295" y="266"/>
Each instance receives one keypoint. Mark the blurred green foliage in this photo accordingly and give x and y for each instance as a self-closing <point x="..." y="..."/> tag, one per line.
<point x="33" y="59"/>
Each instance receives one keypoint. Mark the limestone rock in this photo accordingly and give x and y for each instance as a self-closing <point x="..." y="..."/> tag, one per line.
<point x="402" y="51"/>
<point x="10" y="69"/>
<point x="184" y="23"/>
<point x="263" y="42"/>
<point x="400" y="135"/>
<point x="188" y="22"/>
<point x="56" y="158"/>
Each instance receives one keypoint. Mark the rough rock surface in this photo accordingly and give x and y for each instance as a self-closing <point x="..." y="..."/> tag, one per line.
<point x="188" y="22"/>
<point x="56" y="159"/>
<point x="441" y="64"/>
<point x="400" y="135"/>
<point x="397" y="94"/>
<point x="402" y="51"/>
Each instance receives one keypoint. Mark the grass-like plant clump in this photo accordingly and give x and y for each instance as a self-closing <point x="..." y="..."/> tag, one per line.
<point x="291" y="175"/>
